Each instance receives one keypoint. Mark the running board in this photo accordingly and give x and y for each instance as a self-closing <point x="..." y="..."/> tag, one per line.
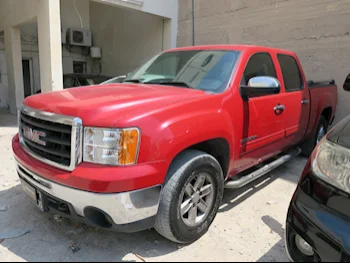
<point x="244" y="180"/>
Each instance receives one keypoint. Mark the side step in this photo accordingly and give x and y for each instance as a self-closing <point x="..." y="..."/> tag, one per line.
<point x="244" y="180"/>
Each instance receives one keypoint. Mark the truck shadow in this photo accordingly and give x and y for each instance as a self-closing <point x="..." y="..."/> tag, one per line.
<point x="290" y="171"/>
<point x="49" y="239"/>
<point x="278" y="252"/>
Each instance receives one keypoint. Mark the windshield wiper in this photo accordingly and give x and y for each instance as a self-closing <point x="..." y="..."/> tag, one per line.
<point x="132" y="81"/>
<point x="171" y="83"/>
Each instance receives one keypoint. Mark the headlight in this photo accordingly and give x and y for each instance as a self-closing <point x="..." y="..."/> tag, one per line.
<point x="332" y="164"/>
<point x="111" y="146"/>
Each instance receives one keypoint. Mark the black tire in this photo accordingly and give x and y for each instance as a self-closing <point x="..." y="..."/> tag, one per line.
<point x="309" y="145"/>
<point x="169" y="222"/>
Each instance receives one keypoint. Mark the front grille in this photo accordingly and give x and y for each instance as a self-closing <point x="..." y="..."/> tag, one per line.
<point x="51" y="138"/>
<point x="57" y="139"/>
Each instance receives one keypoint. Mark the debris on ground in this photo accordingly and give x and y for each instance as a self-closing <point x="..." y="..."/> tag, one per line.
<point x="271" y="203"/>
<point x="76" y="231"/>
<point x="74" y="248"/>
<point x="3" y="208"/>
<point x="15" y="233"/>
<point x="58" y="218"/>
<point x="156" y="242"/>
<point x="131" y="257"/>
<point x="140" y="258"/>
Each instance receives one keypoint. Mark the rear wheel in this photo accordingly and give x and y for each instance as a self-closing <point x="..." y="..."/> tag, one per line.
<point x="191" y="197"/>
<point x="309" y="145"/>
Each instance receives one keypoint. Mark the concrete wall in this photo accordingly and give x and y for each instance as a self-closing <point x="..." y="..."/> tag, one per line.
<point x="127" y="37"/>
<point x="70" y="19"/>
<point x="167" y="9"/>
<point x="24" y="14"/>
<point x="15" y="12"/>
<point x="4" y="96"/>
<point x="12" y="13"/>
<point x="317" y="30"/>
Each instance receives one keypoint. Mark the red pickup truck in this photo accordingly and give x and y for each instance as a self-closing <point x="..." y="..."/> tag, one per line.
<point x="159" y="149"/>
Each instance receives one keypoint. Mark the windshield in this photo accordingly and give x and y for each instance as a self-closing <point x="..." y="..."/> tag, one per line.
<point x="207" y="70"/>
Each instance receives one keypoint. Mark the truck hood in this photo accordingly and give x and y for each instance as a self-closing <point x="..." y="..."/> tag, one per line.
<point x="103" y="106"/>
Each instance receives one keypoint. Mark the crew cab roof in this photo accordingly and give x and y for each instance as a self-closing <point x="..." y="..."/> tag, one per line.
<point x="233" y="47"/>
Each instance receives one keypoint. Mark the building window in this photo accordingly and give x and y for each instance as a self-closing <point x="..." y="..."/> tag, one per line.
<point x="79" y="67"/>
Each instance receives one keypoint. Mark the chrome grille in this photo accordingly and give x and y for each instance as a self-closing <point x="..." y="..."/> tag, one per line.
<point x="51" y="138"/>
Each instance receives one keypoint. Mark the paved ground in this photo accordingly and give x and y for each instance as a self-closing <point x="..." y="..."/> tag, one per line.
<point x="249" y="226"/>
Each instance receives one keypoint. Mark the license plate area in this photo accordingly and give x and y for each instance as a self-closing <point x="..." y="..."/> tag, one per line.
<point x="33" y="195"/>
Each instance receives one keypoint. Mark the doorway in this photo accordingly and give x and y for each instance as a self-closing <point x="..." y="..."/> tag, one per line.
<point x="27" y="77"/>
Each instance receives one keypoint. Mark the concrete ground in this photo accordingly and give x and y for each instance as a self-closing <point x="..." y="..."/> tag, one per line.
<point x="249" y="226"/>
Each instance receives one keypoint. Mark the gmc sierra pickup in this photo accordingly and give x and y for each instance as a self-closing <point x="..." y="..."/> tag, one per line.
<point x="158" y="149"/>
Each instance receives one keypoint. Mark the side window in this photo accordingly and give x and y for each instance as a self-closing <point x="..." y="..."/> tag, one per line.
<point x="291" y="73"/>
<point x="259" y="65"/>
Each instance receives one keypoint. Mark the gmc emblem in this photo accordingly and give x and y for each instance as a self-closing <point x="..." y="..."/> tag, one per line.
<point x="34" y="136"/>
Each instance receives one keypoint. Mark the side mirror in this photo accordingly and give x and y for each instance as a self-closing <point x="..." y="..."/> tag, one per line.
<point x="260" y="86"/>
<point x="346" y="85"/>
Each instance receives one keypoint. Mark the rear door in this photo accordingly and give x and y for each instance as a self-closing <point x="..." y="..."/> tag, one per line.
<point x="296" y="99"/>
<point x="263" y="127"/>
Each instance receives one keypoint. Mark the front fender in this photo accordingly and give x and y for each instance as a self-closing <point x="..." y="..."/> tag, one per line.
<point x="185" y="130"/>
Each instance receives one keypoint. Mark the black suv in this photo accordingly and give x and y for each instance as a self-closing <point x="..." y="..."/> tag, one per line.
<point x="318" y="221"/>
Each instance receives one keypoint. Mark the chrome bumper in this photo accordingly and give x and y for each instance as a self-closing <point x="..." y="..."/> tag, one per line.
<point x="122" y="208"/>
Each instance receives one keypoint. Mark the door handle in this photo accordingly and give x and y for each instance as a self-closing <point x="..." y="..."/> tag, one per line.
<point x="305" y="102"/>
<point x="279" y="109"/>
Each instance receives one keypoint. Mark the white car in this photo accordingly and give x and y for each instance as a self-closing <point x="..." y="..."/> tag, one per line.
<point x="118" y="79"/>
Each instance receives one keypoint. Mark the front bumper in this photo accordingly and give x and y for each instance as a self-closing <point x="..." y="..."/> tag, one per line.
<point x="94" y="177"/>
<point x="319" y="214"/>
<point x="125" y="212"/>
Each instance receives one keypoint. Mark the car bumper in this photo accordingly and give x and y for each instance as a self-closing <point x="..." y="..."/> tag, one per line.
<point x="125" y="212"/>
<point x="94" y="177"/>
<point x="318" y="214"/>
<point x="125" y="199"/>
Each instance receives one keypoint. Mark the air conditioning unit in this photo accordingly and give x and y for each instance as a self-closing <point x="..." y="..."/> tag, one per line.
<point x="79" y="37"/>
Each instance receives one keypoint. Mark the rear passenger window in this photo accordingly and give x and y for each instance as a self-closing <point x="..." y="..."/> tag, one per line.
<point x="259" y="65"/>
<point x="291" y="73"/>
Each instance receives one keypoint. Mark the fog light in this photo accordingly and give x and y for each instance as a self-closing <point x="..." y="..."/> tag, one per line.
<point x="303" y="246"/>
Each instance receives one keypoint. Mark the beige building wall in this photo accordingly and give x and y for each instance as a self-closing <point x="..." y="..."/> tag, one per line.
<point x="127" y="37"/>
<point x="317" y="30"/>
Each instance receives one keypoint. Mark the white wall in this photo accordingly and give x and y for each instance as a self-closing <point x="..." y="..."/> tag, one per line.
<point x="4" y="100"/>
<point x="167" y="9"/>
<point x="71" y="19"/>
<point x="127" y="37"/>
<point x="15" y="12"/>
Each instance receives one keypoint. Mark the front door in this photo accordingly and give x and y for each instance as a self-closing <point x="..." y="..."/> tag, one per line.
<point x="296" y="99"/>
<point x="263" y="126"/>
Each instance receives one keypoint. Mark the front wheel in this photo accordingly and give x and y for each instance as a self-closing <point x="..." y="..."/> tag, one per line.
<point x="191" y="197"/>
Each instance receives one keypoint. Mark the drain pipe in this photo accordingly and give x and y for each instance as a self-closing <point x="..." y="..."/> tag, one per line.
<point x="193" y="26"/>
